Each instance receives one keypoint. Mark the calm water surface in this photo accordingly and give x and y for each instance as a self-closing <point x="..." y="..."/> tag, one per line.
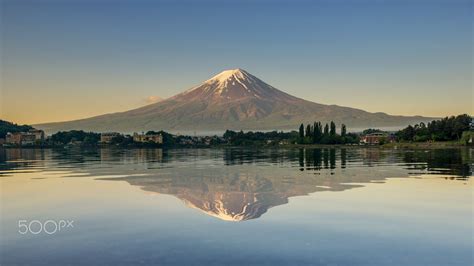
<point x="355" y="206"/>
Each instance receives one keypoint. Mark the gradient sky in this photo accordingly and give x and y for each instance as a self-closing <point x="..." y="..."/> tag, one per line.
<point x="69" y="59"/>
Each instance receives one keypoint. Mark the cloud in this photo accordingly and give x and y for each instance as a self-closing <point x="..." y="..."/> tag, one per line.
<point x="153" y="99"/>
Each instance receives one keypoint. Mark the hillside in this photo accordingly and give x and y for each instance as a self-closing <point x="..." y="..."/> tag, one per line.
<point x="233" y="99"/>
<point x="6" y="127"/>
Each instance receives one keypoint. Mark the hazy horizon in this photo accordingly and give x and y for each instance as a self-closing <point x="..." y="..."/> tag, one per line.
<point x="70" y="60"/>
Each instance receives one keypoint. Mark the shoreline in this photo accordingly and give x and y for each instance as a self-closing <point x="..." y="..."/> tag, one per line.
<point x="398" y="145"/>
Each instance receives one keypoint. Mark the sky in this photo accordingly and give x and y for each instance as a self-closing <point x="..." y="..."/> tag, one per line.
<point x="70" y="59"/>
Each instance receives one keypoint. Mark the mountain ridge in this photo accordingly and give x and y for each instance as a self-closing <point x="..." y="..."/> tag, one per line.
<point x="233" y="99"/>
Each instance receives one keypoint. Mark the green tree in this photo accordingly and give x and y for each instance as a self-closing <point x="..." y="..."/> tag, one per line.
<point x="343" y="130"/>
<point x="317" y="132"/>
<point x="6" y="127"/>
<point x="326" y="130"/>
<point x="332" y="132"/>
<point x="461" y="124"/>
<point x="301" y="134"/>
<point x="467" y="137"/>
<point x="308" y="131"/>
<point x="301" y="131"/>
<point x="408" y="133"/>
<point x="448" y="128"/>
<point x="65" y="137"/>
<point x="371" y="131"/>
<point x="229" y="135"/>
<point x="351" y="138"/>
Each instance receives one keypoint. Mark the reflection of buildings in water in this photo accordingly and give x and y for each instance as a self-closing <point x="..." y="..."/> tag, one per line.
<point x="371" y="156"/>
<point x="132" y="155"/>
<point x="147" y="155"/>
<point x="18" y="158"/>
<point x="23" y="154"/>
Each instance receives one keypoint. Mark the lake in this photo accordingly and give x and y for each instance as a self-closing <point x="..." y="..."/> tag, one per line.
<point x="329" y="206"/>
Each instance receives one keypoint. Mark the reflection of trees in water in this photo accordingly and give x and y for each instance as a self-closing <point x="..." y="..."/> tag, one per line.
<point x="21" y="159"/>
<point x="244" y="190"/>
<point x="343" y="158"/>
<point x="252" y="180"/>
<point x="21" y="154"/>
<point x="436" y="161"/>
<point x="441" y="161"/>
<point x="446" y="161"/>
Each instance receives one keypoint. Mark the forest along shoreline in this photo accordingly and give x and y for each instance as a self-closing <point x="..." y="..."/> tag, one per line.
<point x="449" y="132"/>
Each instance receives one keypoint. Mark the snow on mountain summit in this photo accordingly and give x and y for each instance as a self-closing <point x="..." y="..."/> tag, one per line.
<point x="233" y="85"/>
<point x="226" y="75"/>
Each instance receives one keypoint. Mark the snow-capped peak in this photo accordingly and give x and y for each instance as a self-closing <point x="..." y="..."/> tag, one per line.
<point x="232" y="85"/>
<point x="225" y="75"/>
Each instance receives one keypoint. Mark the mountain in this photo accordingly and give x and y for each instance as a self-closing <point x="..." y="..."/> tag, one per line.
<point x="233" y="99"/>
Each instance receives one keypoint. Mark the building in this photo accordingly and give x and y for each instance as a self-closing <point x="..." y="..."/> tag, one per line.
<point x="155" y="138"/>
<point x="13" y="138"/>
<point x="376" y="138"/>
<point x="39" y="134"/>
<point x="28" y="138"/>
<point x="31" y="137"/>
<point x="108" y="136"/>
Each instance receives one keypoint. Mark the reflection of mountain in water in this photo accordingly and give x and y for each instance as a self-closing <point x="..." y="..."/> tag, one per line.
<point x="254" y="181"/>
<point x="229" y="195"/>
<point x="242" y="184"/>
<point x="233" y="199"/>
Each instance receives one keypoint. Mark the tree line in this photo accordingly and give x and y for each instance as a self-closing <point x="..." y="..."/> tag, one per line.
<point x="6" y="127"/>
<point x="93" y="138"/>
<point x="317" y="134"/>
<point x="65" y="137"/>
<point x="82" y="138"/>
<point x="446" y="129"/>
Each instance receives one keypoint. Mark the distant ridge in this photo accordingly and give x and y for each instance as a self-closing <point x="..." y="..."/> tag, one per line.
<point x="233" y="99"/>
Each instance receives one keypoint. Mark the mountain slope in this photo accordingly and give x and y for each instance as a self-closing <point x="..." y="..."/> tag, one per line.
<point x="233" y="99"/>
